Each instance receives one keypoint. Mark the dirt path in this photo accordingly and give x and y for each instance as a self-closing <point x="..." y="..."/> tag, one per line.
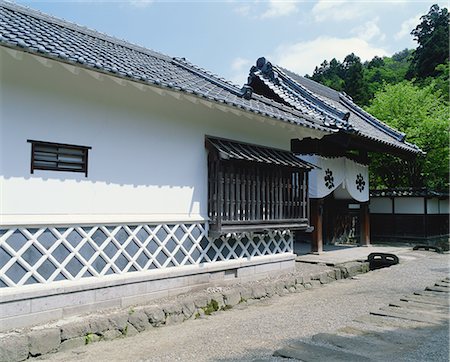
<point x="254" y="331"/>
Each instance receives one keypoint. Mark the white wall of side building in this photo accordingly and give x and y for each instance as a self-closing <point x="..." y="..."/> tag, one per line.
<point x="409" y="205"/>
<point x="444" y="206"/>
<point x="148" y="162"/>
<point x="433" y="206"/>
<point x="381" y="205"/>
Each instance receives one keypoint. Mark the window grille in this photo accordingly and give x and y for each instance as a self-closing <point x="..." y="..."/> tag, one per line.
<point x="255" y="196"/>
<point x="58" y="157"/>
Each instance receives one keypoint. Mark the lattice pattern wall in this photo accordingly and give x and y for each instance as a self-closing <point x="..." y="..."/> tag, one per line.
<point x="48" y="254"/>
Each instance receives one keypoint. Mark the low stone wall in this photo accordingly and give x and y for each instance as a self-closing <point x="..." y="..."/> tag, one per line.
<point x="29" y="305"/>
<point x="76" y="332"/>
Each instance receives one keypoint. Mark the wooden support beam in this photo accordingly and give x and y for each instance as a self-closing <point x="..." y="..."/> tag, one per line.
<point x="316" y="221"/>
<point x="365" y="225"/>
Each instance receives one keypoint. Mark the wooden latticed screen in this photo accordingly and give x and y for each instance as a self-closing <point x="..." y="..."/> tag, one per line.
<point x="255" y="196"/>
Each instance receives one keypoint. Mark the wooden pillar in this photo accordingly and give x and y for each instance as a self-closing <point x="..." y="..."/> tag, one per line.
<point x="365" y="225"/>
<point x="316" y="221"/>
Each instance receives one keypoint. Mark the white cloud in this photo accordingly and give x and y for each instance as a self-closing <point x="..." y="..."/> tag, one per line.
<point x="303" y="57"/>
<point x="243" y="10"/>
<point x="369" y="30"/>
<point x="140" y="3"/>
<point x="279" y="8"/>
<point x="407" y="26"/>
<point x="240" y="68"/>
<point x="326" y="10"/>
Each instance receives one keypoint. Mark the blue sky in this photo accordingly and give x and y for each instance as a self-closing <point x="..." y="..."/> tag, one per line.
<point x="226" y="37"/>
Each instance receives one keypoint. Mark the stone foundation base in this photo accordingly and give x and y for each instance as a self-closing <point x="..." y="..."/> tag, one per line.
<point x="26" y="306"/>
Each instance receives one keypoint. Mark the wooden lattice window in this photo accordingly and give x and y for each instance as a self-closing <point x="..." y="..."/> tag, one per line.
<point x="58" y="157"/>
<point x="249" y="195"/>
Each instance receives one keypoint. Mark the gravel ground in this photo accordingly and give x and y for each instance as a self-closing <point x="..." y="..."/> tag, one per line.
<point x="248" y="332"/>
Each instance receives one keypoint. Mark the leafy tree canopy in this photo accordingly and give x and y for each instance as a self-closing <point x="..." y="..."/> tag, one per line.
<point x="418" y="107"/>
<point x="432" y="35"/>
<point x="422" y="114"/>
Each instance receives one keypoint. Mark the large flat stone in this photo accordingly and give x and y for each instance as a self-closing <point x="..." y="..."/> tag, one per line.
<point x="438" y="289"/>
<point x="366" y="346"/>
<point x="72" y="343"/>
<point x="78" y="328"/>
<point x="139" y="320"/>
<point x="311" y="353"/>
<point x="383" y="321"/>
<point x="433" y="294"/>
<point x="413" y="316"/>
<point x="45" y="340"/>
<point x="433" y="308"/>
<point x="443" y="285"/>
<point x="400" y="336"/>
<point x="426" y="300"/>
<point x="14" y="347"/>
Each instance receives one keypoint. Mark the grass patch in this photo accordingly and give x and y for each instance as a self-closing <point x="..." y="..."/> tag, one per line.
<point x="89" y="338"/>
<point x="211" y="307"/>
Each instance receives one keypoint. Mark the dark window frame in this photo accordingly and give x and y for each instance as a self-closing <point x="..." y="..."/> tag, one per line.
<point x="236" y="205"/>
<point x="59" y="150"/>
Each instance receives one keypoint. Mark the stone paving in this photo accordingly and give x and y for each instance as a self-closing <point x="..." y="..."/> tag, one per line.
<point x="378" y="338"/>
<point x="71" y="333"/>
<point x="338" y="254"/>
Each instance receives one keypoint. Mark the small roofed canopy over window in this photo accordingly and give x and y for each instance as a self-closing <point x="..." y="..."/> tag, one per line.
<point x="255" y="188"/>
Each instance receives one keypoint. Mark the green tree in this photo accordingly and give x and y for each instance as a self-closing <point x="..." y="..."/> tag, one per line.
<point x="354" y="84"/>
<point x="432" y="35"/>
<point x="423" y="115"/>
<point x="329" y="74"/>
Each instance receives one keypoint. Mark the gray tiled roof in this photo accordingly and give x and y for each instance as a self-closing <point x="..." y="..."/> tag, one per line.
<point x="227" y="149"/>
<point x="41" y="34"/>
<point x="336" y="108"/>
<point x="408" y="192"/>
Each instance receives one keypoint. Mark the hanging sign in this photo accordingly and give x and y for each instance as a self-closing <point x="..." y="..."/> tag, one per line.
<point x="337" y="172"/>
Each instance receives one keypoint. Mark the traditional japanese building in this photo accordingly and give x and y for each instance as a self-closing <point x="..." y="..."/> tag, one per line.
<point x="410" y="215"/>
<point x="339" y="185"/>
<point x="128" y="175"/>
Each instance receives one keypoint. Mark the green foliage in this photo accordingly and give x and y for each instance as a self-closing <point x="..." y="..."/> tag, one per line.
<point x="390" y="70"/>
<point x="89" y="338"/>
<point x="354" y="83"/>
<point x="211" y="307"/>
<point x="362" y="81"/>
<point x="432" y="35"/>
<point x="419" y="108"/>
<point x="422" y="114"/>
<point x="330" y="74"/>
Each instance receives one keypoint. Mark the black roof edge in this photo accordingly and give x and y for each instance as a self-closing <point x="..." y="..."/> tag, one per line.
<point x="399" y="136"/>
<point x="267" y="68"/>
<point x="408" y="191"/>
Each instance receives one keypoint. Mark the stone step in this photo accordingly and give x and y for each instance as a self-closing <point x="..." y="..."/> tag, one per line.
<point x="443" y="285"/>
<point x="383" y="321"/>
<point x="421" y="306"/>
<point x="365" y="346"/>
<point x="426" y="300"/>
<point x="312" y="353"/>
<point x="428" y="293"/>
<point x="437" y="289"/>
<point x="400" y="336"/>
<point x="408" y="315"/>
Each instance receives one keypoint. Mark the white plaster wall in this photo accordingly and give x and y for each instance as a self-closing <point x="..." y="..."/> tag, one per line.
<point x="147" y="162"/>
<point x="433" y="206"/>
<point x="380" y="205"/>
<point x="409" y="205"/>
<point x="443" y="206"/>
